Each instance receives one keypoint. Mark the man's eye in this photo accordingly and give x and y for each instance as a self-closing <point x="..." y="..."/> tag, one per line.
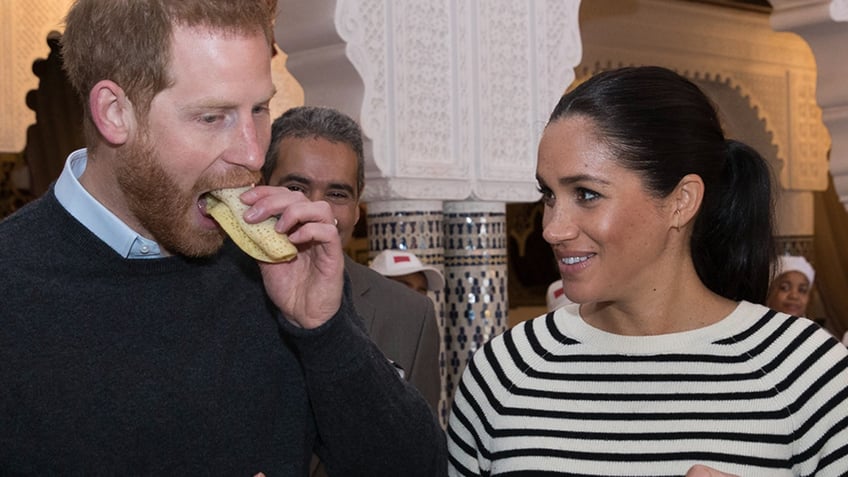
<point x="296" y="188"/>
<point x="338" y="196"/>
<point x="210" y="118"/>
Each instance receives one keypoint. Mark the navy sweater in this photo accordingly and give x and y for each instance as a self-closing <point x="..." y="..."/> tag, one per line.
<point x="178" y="365"/>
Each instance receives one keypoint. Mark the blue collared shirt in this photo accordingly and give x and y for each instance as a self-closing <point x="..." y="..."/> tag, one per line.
<point x="97" y="218"/>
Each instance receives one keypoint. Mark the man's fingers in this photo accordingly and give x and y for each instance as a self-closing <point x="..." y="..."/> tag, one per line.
<point x="307" y="213"/>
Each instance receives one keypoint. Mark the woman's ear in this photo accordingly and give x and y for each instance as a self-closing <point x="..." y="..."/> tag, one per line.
<point x="687" y="196"/>
<point x="111" y="111"/>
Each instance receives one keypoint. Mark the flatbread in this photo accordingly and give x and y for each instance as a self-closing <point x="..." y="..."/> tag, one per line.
<point x="260" y="241"/>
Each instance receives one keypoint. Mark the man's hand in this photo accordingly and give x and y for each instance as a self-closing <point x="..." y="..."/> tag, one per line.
<point x="704" y="471"/>
<point x="307" y="289"/>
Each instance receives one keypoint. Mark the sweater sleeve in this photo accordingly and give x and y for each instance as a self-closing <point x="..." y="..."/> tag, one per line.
<point x="369" y="420"/>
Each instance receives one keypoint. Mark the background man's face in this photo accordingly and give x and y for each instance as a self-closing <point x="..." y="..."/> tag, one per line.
<point x="322" y="170"/>
<point x="415" y="281"/>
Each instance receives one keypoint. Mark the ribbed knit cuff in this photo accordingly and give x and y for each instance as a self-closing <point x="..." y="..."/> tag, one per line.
<point x="337" y="345"/>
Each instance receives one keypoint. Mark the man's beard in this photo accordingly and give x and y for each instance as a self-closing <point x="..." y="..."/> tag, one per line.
<point x="165" y="211"/>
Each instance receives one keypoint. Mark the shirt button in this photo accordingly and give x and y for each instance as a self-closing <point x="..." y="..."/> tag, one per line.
<point x="145" y="249"/>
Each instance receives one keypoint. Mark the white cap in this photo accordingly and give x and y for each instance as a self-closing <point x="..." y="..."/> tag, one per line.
<point x="796" y="263"/>
<point x="555" y="298"/>
<point x="392" y="263"/>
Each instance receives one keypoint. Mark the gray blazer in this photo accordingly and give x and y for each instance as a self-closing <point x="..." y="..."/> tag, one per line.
<point x="402" y="323"/>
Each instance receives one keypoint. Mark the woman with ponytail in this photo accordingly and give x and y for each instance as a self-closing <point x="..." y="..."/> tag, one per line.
<point x="664" y="364"/>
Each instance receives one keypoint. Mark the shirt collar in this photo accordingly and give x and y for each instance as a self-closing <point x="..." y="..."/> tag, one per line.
<point x="97" y="218"/>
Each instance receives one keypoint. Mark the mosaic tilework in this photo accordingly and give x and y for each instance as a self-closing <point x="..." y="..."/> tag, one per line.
<point x="467" y="240"/>
<point x="415" y="226"/>
<point x="476" y="282"/>
<point x="406" y="225"/>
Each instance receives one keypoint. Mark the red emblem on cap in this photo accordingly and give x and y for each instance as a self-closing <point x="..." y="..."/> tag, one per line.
<point x="400" y="258"/>
<point x="558" y="292"/>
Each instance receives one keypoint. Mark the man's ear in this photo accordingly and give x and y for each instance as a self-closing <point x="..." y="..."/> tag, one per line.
<point x="112" y="112"/>
<point x="687" y="198"/>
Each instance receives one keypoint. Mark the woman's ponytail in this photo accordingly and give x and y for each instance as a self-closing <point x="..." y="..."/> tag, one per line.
<point x="733" y="239"/>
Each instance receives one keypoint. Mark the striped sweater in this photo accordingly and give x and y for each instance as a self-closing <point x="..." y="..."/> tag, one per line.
<point x="760" y="393"/>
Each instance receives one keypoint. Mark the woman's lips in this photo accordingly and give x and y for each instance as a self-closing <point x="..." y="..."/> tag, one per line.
<point x="574" y="260"/>
<point x="573" y="263"/>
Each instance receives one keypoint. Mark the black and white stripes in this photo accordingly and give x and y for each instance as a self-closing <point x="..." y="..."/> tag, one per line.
<point x="759" y="393"/>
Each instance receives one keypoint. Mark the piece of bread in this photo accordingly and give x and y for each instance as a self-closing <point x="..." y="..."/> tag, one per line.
<point x="260" y="240"/>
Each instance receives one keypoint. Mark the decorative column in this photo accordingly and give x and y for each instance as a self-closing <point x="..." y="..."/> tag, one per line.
<point x="475" y="282"/>
<point x="452" y="97"/>
<point x="415" y="226"/>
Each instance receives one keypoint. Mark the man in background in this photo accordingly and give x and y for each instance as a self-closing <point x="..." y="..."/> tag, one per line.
<point x="318" y="151"/>
<point x="406" y="268"/>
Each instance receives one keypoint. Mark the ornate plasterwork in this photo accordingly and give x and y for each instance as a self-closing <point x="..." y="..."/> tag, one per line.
<point x="824" y="25"/>
<point x="738" y="50"/>
<point x="455" y="93"/>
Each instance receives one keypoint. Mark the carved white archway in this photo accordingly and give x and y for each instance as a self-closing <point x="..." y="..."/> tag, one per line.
<point x="451" y="96"/>
<point x="824" y="25"/>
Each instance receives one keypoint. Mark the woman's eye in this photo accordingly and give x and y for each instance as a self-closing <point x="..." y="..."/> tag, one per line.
<point x="547" y="195"/>
<point x="586" y="195"/>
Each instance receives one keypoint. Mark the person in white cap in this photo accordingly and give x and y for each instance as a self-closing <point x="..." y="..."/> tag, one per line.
<point x="555" y="297"/>
<point x="406" y="268"/>
<point x="790" y="289"/>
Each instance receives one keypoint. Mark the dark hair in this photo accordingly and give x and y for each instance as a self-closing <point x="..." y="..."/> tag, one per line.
<point x="662" y="126"/>
<point x="317" y="122"/>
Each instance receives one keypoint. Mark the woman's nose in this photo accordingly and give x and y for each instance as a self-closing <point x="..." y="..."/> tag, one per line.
<point x="557" y="227"/>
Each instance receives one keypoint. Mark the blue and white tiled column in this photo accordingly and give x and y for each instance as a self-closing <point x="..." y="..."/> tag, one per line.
<point x="413" y="225"/>
<point x="467" y="241"/>
<point x="476" y="282"/>
<point x="416" y="226"/>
